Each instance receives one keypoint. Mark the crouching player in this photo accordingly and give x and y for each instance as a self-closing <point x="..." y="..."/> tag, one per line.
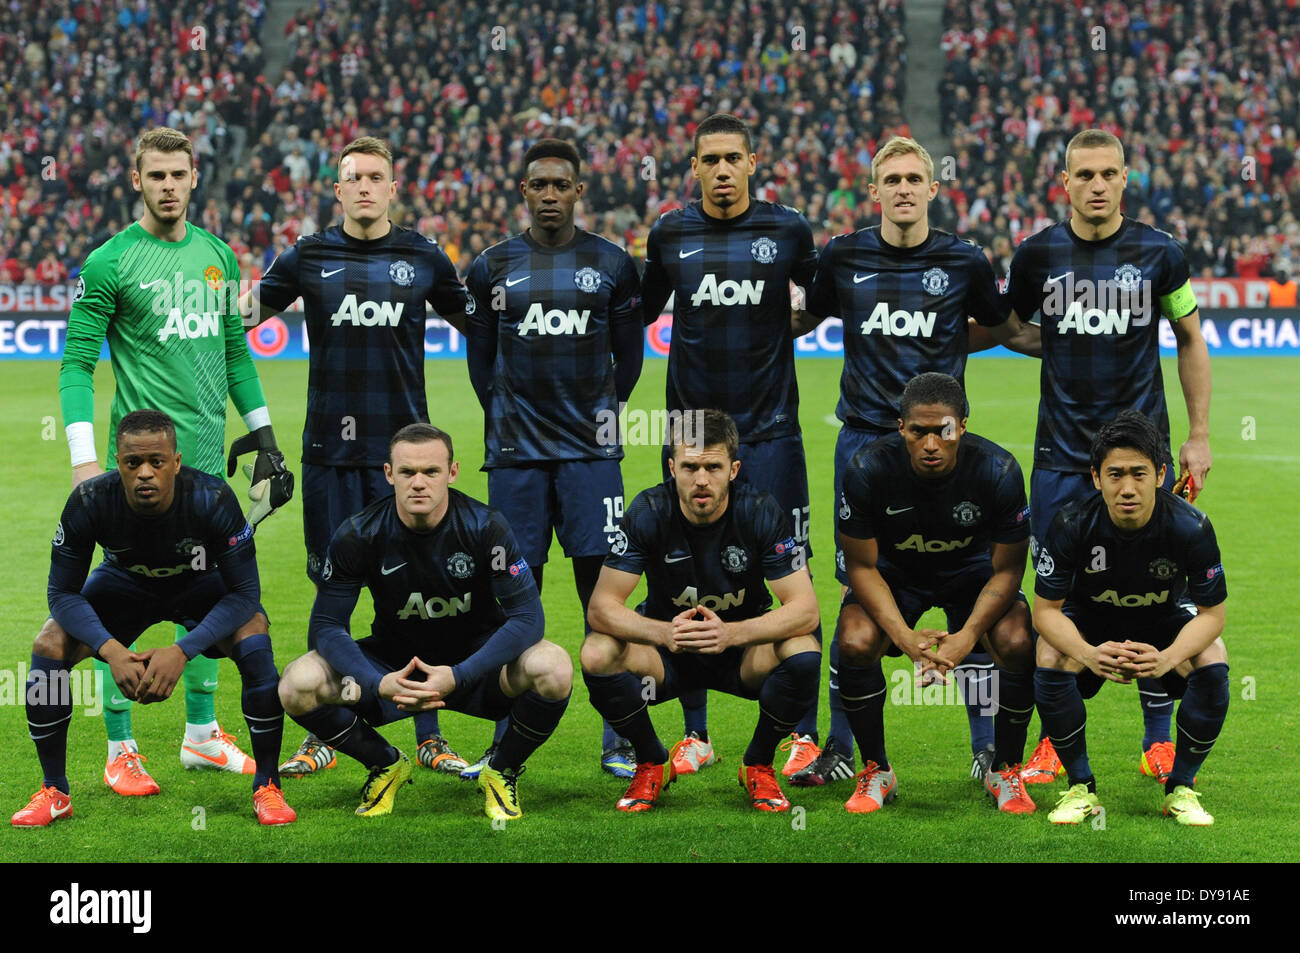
<point x="176" y="547"/>
<point x="1130" y="585"/>
<point x="934" y="516"/>
<point x="710" y="548"/>
<point x="458" y="625"/>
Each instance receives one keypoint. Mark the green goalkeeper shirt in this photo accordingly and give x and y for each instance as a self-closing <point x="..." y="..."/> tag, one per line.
<point x="175" y="338"/>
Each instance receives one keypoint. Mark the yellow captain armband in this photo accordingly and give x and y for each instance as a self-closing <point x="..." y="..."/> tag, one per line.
<point x="1178" y="303"/>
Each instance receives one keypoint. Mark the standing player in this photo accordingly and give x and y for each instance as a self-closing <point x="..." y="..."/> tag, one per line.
<point x="458" y="624"/>
<point x="1100" y="281"/>
<point x="1130" y="585"/>
<point x="363" y="285"/>
<point x="175" y="547"/>
<point x="710" y="549"/>
<point x="161" y="291"/>
<point x="904" y="292"/>
<point x="934" y="516"/>
<point x="546" y="311"/>
<point x="728" y="261"/>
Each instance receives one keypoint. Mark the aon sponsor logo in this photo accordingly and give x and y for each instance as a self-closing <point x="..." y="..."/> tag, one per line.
<point x="190" y="326"/>
<point x="690" y="597"/>
<point x="158" y="572"/>
<point x="1080" y="320"/>
<point x="917" y="543"/>
<point x="899" y="323"/>
<point x="435" y="607"/>
<point x="712" y="291"/>
<point x="555" y="321"/>
<point x="367" y="313"/>
<point x="1131" y="600"/>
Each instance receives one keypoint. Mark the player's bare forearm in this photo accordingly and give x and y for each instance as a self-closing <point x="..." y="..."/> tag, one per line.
<point x="1060" y="633"/>
<point x="1198" y="634"/>
<point x="1194" y="375"/>
<point x="627" y="625"/>
<point x="1013" y="334"/>
<point x="1000" y="591"/>
<point x="877" y="600"/>
<point x="797" y="615"/>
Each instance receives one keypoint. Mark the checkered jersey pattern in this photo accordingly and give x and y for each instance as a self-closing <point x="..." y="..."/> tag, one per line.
<point x="732" y="346"/>
<point x="549" y="316"/>
<point x="364" y="307"/>
<point x="904" y="312"/>
<point x="1099" y="307"/>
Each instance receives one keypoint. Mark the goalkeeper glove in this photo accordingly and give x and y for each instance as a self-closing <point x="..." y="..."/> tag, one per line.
<point x="272" y="483"/>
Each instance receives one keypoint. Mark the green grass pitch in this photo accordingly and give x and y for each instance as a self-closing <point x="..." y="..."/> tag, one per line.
<point x="941" y="814"/>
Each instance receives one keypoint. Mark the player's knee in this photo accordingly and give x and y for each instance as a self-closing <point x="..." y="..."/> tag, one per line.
<point x="299" y="688"/>
<point x="859" y="640"/>
<point x="51" y="641"/>
<point x="601" y="654"/>
<point x="1047" y="657"/>
<point x="1014" y="647"/>
<point x="551" y="671"/>
<point x="257" y="625"/>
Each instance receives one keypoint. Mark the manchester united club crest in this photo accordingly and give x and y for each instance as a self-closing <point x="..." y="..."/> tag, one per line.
<point x="763" y="250"/>
<point x="1163" y="569"/>
<point x="402" y="272"/>
<point x="461" y="565"/>
<point x="187" y="546"/>
<point x="1128" y="277"/>
<point x="735" y="559"/>
<point x="587" y="279"/>
<point x="935" y="281"/>
<point x="966" y="513"/>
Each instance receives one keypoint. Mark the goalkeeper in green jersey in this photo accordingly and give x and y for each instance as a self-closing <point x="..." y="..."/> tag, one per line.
<point x="164" y="294"/>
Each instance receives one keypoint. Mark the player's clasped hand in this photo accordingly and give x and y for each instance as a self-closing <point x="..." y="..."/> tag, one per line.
<point x="943" y="652"/>
<point x="165" y="666"/>
<point x="126" y="667"/>
<point x="919" y="646"/>
<point x="1147" y="661"/>
<point x="699" y="630"/>
<point x="411" y="695"/>
<point x="1113" y="661"/>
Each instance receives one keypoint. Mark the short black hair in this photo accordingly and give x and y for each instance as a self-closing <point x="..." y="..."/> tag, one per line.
<point x="705" y="428"/>
<point x="421" y="433"/>
<point x="724" y="124"/>
<point x="147" y="421"/>
<point x="553" y="149"/>
<point x="1133" y="430"/>
<point x="934" y="388"/>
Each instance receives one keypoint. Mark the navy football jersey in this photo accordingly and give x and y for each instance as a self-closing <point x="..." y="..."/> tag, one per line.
<point x="732" y="346"/>
<point x="904" y="312"/>
<point x="549" y="316"/>
<point x="722" y="566"/>
<point x="435" y="594"/>
<point x="364" y="309"/>
<point x="1120" y="581"/>
<point x="202" y="532"/>
<point x="1099" y="302"/>
<point x="932" y="530"/>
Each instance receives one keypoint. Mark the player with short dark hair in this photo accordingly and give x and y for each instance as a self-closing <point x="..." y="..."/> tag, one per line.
<point x="1100" y="282"/>
<point x="364" y="285"/>
<point x="710" y="549"/>
<point x="908" y="295"/>
<point x="176" y="547"/>
<point x="934" y="516"/>
<point x="163" y="293"/>
<point x="555" y="343"/>
<point x="1129" y="585"/>
<point x="728" y="261"/>
<point x="458" y="624"/>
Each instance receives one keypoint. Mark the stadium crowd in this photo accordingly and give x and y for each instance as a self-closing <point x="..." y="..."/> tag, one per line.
<point x="460" y="92"/>
<point x="1201" y="92"/>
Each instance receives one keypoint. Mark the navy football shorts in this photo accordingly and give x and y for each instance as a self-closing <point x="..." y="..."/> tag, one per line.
<point x="1160" y="633"/>
<point x="329" y="496"/>
<point x="581" y="500"/>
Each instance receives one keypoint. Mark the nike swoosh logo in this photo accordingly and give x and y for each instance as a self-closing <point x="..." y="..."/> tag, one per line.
<point x="111" y="778"/>
<point x="208" y="683"/>
<point x="670" y="559"/>
<point x="56" y="811"/>
<point x="688" y="254"/>
<point x="117" y="700"/>
<point x="1064" y="274"/>
<point x="502" y="804"/>
<point x="385" y="570"/>
<point x="219" y="762"/>
<point x="156" y="281"/>
<point x="326" y="274"/>
<point x="890" y="511"/>
<point x="511" y="284"/>
<point x="858" y="279"/>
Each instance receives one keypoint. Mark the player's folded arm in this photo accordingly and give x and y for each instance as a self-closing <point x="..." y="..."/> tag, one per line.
<point x="524" y="626"/>
<point x="243" y="595"/>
